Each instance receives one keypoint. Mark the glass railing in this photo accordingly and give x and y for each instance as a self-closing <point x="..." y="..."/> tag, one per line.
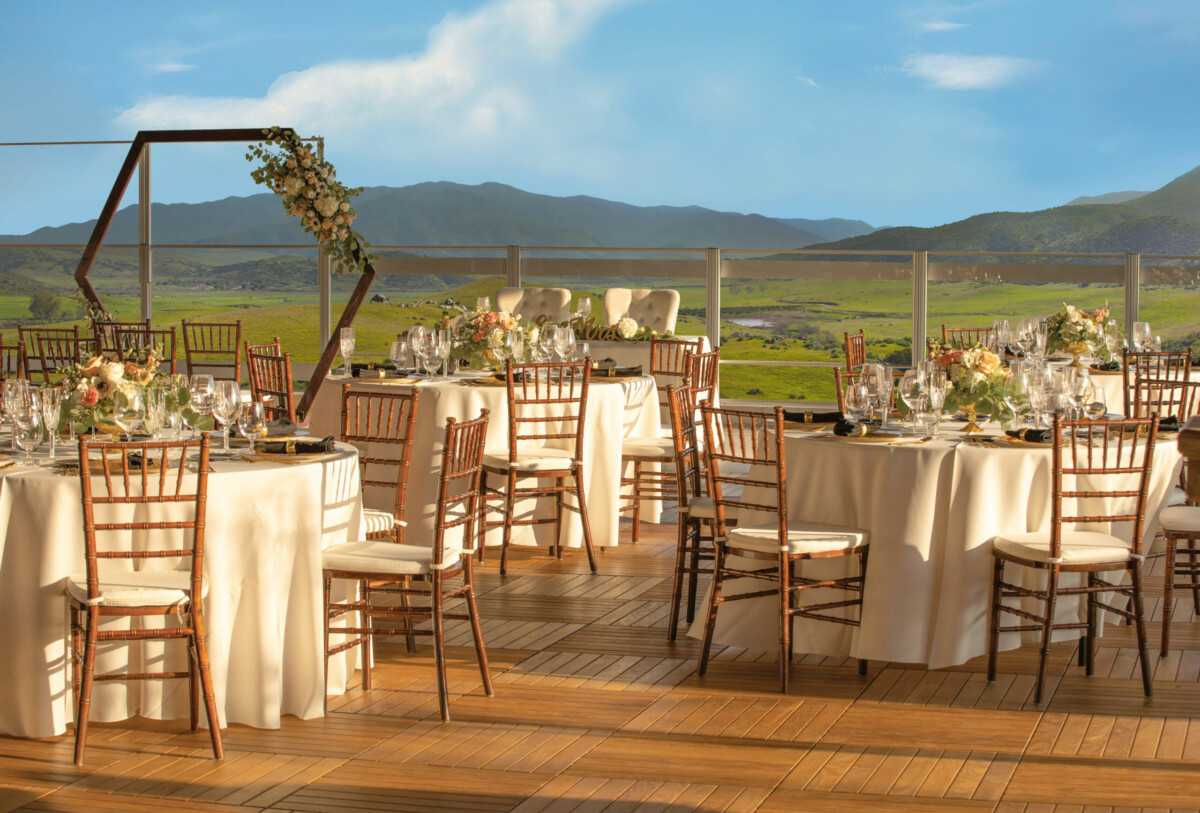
<point x="1169" y="298"/>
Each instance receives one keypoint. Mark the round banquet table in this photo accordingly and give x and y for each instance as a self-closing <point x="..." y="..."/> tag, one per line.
<point x="266" y="525"/>
<point x="930" y="509"/>
<point x="617" y="409"/>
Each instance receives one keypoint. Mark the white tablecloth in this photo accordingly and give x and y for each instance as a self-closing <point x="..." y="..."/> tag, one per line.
<point x="615" y="410"/>
<point x="931" y="510"/>
<point x="266" y="525"/>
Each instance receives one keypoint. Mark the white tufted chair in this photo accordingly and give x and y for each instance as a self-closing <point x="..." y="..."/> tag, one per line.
<point x="655" y="309"/>
<point x="531" y="303"/>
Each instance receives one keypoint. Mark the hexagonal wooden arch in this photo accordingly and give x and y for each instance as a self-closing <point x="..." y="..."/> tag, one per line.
<point x="145" y="137"/>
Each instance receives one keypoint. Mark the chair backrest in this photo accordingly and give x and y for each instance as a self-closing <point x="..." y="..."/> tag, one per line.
<point x="374" y="421"/>
<point x="1164" y="398"/>
<point x="547" y="402"/>
<point x="30" y="350"/>
<point x="855" y="346"/>
<point x="56" y="349"/>
<point x="669" y="366"/>
<point x="12" y="360"/>
<point x="106" y="334"/>
<point x="459" y="503"/>
<point x="703" y="372"/>
<point x="965" y="336"/>
<point x="139" y="475"/>
<point x="213" y="348"/>
<point x="689" y="470"/>
<point x="657" y="309"/>
<point x="1092" y="452"/>
<point x="745" y="458"/>
<point x="271" y="381"/>
<point x="1162" y="367"/>
<point x="531" y="304"/>
<point x="161" y="340"/>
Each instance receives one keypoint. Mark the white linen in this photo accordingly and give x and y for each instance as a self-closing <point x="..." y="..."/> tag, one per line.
<point x="931" y="511"/>
<point x="266" y="525"/>
<point x="615" y="410"/>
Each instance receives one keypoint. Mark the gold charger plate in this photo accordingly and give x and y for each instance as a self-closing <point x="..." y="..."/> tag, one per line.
<point x="882" y="440"/>
<point x="1006" y="442"/>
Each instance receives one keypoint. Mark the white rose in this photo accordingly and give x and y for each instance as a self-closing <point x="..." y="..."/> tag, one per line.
<point x="345" y="207"/>
<point x="327" y="206"/>
<point x="627" y="328"/>
<point x="112" y="373"/>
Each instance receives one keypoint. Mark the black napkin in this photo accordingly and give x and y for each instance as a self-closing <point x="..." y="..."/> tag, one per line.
<point x="849" y="429"/>
<point x="1108" y="366"/>
<point x="1032" y="435"/>
<point x="298" y="446"/>
<point x="1168" y="424"/>
<point x="520" y="376"/>
<point x="808" y="416"/>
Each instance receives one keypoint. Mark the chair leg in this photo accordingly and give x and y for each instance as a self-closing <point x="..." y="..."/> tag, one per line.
<point x="682" y="531"/>
<point x="193" y="688"/>
<point x="76" y="651"/>
<point x="206" y="687"/>
<point x="560" y="492"/>
<point x="583" y="518"/>
<point x="477" y="629"/>
<point x="483" y="492"/>
<point x="637" y="501"/>
<point x="509" y="510"/>
<point x="1195" y="583"/>
<point x="1168" y="606"/>
<point x="694" y="568"/>
<point x="994" y="619"/>
<point x="1047" y="630"/>
<point x="710" y="622"/>
<point x="439" y="647"/>
<point x="863" y="555"/>
<point x="327" y="590"/>
<point x="1140" y="623"/>
<point x="410" y="637"/>
<point x="785" y="621"/>
<point x="85" y="683"/>
<point x="364" y="648"/>
<point x="1087" y="646"/>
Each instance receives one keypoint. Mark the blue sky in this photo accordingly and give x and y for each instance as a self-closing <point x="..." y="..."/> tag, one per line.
<point x="893" y="112"/>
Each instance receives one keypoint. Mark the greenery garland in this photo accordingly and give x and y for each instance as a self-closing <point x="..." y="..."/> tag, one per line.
<point x="309" y="189"/>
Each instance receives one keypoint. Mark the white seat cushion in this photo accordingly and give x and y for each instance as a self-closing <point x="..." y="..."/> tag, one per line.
<point x="382" y="557"/>
<point x="1078" y="547"/>
<point x="648" y="447"/>
<point x="803" y="537"/>
<point x="532" y="458"/>
<point x="1176" y="496"/>
<point x="701" y="508"/>
<point x="1184" y="518"/>
<point x="137" y="588"/>
<point x="379" y="521"/>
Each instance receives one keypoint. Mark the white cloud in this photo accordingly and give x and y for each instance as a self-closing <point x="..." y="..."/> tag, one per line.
<point x="170" y="67"/>
<point x="968" y="71"/>
<point x="939" y="26"/>
<point x="807" y="80"/>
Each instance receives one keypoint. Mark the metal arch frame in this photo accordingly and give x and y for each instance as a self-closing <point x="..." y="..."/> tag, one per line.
<point x="147" y="137"/>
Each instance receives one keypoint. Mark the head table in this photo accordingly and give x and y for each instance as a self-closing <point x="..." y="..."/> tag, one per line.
<point x="616" y="409"/>
<point x="931" y="509"/>
<point x="266" y="525"/>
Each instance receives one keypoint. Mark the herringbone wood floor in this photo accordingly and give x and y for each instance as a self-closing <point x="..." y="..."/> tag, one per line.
<point x="596" y="712"/>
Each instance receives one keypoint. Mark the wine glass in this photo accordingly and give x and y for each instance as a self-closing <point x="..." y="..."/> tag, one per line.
<point x="345" y="346"/>
<point x="398" y="353"/>
<point x="427" y="354"/>
<point x="128" y="408"/>
<point x="51" y="400"/>
<point x="1002" y="333"/>
<point x="858" y="402"/>
<point x="1016" y="391"/>
<point x="27" y="425"/>
<point x="16" y="390"/>
<point x="912" y="390"/>
<point x="583" y="350"/>
<point x="564" y="342"/>
<point x="200" y="393"/>
<point x="483" y="303"/>
<point x="515" y="341"/>
<point x="546" y="342"/>
<point x="1141" y="336"/>
<point x="444" y="344"/>
<point x="252" y="422"/>
<point x="585" y="307"/>
<point x="155" y="418"/>
<point x="226" y="403"/>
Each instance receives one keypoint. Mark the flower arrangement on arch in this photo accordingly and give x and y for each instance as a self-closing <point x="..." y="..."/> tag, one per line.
<point x="307" y="185"/>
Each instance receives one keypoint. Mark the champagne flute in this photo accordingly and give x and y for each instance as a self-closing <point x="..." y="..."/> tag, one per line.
<point x="225" y="408"/>
<point x="912" y="390"/>
<point x="252" y="422"/>
<point x="444" y="345"/>
<point x="346" y="346"/>
<point x="51" y="400"/>
<point x="515" y="340"/>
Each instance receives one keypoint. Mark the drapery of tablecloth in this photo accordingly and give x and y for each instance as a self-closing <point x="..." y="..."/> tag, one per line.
<point x="266" y="526"/>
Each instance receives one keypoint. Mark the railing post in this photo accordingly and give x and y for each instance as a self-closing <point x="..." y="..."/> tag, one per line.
<point x="920" y="303"/>
<point x="1133" y="290"/>
<point x="712" y="289"/>
<point x="145" y="250"/>
<point x="324" y="275"/>
<point x="512" y="266"/>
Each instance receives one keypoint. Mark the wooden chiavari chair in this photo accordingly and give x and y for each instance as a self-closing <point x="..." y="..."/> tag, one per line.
<point x="668" y="366"/>
<point x="735" y="440"/>
<point x="12" y="362"/>
<point x="374" y="421"/>
<point x="31" y="352"/>
<point x="107" y="334"/>
<point x="1181" y="526"/>
<point x="965" y="336"/>
<point x="1162" y="367"/>
<point x="213" y="348"/>
<point x="151" y="475"/>
<point x="855" y="345"/>
<point x="162" y="340"/>
<point x="546" y="402"/>
<point x="1090" y="455"/>
<point x="271" y="381"/>
<point x="419" y="570"/>
<point x="55" y="355"/>
<point x="694" y="531"/>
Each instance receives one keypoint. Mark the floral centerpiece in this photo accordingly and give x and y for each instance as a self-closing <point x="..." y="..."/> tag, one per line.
<point x="481" y="336"/>
<point x="977" y="378"/>
<point x="98" y="390"/>
<point x="625" y="330"/>
<point x="1076" y="331"/>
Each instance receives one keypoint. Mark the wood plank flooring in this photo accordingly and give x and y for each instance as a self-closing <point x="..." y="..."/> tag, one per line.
<point x="596" y="711"/>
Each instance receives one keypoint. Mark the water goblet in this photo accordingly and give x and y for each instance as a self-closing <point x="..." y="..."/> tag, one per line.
<point x="912" y="389"/>
<point x="515" y="341"/>
<point x="128" y="411"/>
<point x="252" y="422"/>
<point x="226" y="403"/>
<point x="564" y="342"/>
<point x="398" y="353"/>
<point x="1141" y="336"/>
<point x="858" y="402"/>
<point x="346" y="347"/>
<point x="200" y="395"/>
<point x="27" y="425"/>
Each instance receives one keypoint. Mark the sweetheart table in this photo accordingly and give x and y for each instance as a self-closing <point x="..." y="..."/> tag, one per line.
<point x="266" y="525"/>
<point x="930" y="509"/>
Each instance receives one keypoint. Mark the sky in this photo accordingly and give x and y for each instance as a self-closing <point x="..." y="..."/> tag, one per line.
<point x="897" y="113"/>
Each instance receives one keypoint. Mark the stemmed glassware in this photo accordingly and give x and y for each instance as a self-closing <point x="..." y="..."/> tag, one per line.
<point x="1016" y="392"/>
<point x="564" y="342"/>
<point x="27" y="424"/>
<point x="51" y="401"/>
<point x="346" y="347"/>
<point x="912" y="393"/>
<point x="483" y="303"/>
<point x="878" y="379"/>
<point x="16" y="390"/>
<point x="547" y="341"/>
<point x="398" y="353"/>
<point x="155" y="419"/>
<point x="252" y="422"/>
<point x="128" y="411"/>
<point x="200" y="393"/>
<point x="515" y="341"/>
<point x="226" y="404"/>
<point x="584" y="307"/>
<point x="444" y="344"/>
<point x="1142" y="337"/>
<point x="858" y="402"/>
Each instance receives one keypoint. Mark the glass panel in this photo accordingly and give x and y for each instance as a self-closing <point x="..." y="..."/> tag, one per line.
<point x="1170" y="299"/>
<point x="796" y="306"/>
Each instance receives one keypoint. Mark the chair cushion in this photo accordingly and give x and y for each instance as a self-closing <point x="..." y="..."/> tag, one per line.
<point x="803" y="537"/>
<point x="379" y="522"/>
<point x="648" y="447"/>
<point x="532" y="458"/>
<point x="701" y="508"/>
<point x="1176" y="496"/>
<point x="137" y="588"/>
<point x="381" y="557"/>
<point x="1185" y="518"/>
<point x="1078" y="547"/>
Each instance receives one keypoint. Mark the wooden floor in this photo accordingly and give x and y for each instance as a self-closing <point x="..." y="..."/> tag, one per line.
<point x="595" y="712"/>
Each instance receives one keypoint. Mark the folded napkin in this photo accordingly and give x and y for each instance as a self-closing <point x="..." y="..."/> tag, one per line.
<point x="1108" y="366"/>
<point x="519" y="377"/>
<point x="1168" y="424"/>
<point x="1032" y="435"/>
<point x="297" y="446"/>
<point x="850" y="428"/>
<point x="608" y="368"/>
<point x="808" y="416"/>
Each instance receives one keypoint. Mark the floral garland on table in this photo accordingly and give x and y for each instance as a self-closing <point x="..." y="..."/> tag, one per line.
<point x="309" y="189"/>
<point x="1076" y="331"/>
<point x="977" y="377"/>
<point x="625" y="330"/>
